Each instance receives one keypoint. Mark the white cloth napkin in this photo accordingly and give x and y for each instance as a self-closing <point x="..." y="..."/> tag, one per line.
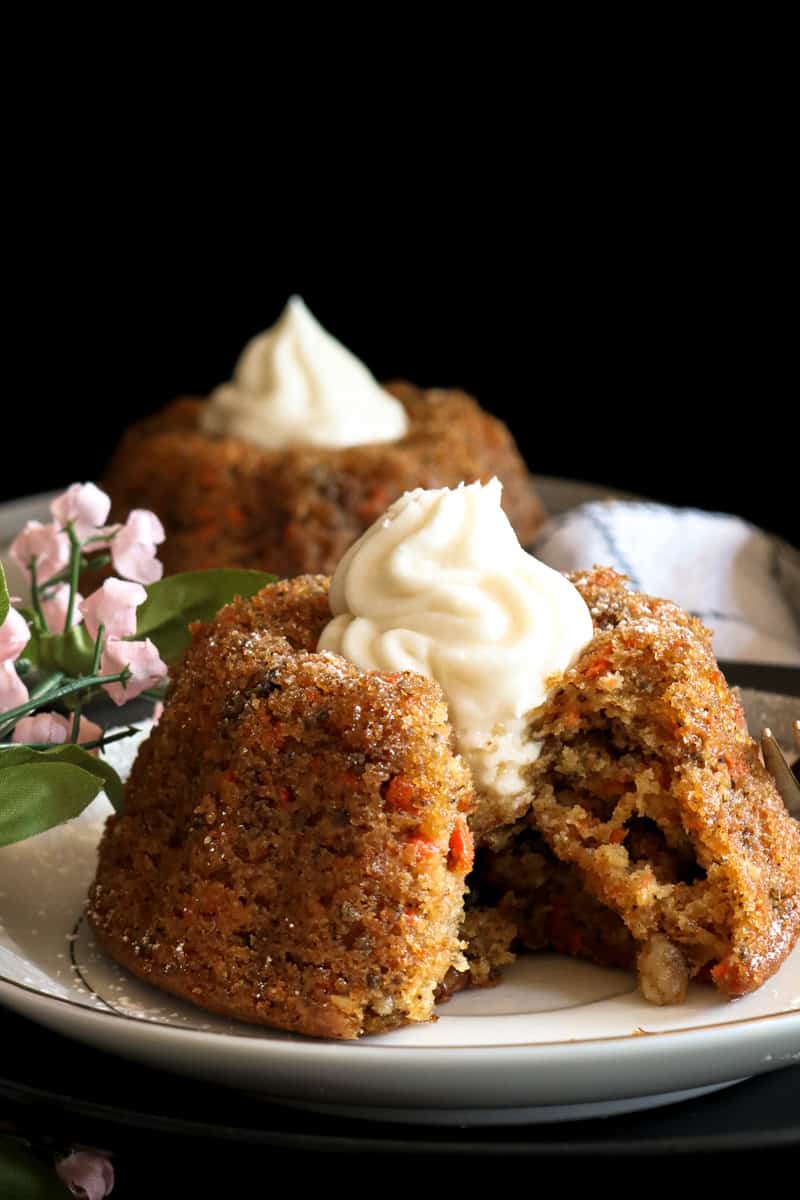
<point x="742" y="582"/>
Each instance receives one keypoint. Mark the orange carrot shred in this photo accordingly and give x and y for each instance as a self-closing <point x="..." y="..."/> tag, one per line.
<point x="598" y="666"/>
<point x="422" y="846"/>
<point x="401" y="795"/>
<point x="461" y="855"/>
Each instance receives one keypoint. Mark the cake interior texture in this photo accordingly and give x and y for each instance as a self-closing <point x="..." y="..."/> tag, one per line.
<point x="296" y="847"/>
<point x="224" y="502"/>
<point x="649" y="790"/>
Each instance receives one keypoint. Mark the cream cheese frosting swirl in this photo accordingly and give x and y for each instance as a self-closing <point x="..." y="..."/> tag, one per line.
<point x="296" y="385"/>
<point x="440" y="586"/>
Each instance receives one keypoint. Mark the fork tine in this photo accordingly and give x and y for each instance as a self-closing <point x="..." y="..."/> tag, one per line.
<point x="781" y="772"/>
<point x="796" y="732"/>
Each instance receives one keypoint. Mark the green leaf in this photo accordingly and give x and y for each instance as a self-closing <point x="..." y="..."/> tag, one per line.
<point x="5" y="602"/>
<point x="24" y="1177"/>
<point x="71" y="652"/>
<point x="174" y="602"/>
<point x="43" y="788"/>
<point x="37" y="796"/>
<point x="69" y="752"/>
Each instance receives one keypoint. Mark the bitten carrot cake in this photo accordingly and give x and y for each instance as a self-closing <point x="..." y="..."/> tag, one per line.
<point x="649" y="789"/>
<point x="297" y="843"/>
<point x="286" y="465"/>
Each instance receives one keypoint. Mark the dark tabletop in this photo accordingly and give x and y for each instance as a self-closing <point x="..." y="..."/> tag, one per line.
<point x="83" y="1096"/>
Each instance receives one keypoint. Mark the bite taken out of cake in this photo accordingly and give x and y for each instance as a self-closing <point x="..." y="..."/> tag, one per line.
<point x="285" y="465"/>
<point x="367" y="793"/>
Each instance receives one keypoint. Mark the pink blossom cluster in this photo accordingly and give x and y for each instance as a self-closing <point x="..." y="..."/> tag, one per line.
<point x="44" y="551"/>
<point x="84" y="508"/>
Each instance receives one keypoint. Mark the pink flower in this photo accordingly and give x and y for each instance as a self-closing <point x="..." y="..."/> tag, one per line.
<point x="55" y="609"/>
<point x="144" y="661"/>
<point x="51" y="729"/>
<point x="158" y="712"/>
<point x="84" y="505"/>
<point x="114" y="606"/>
<point x="12" y="690"/>
<point x="133" y="550"/>
<point x="88" y="1174"/>
<point x="14" y="636"/>
<point x="44" y="543"/>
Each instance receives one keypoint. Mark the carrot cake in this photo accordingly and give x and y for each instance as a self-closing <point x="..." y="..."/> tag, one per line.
<point x="650" y="795"/>
<point x="364" y="796"/>
<point x="286" y="465"/>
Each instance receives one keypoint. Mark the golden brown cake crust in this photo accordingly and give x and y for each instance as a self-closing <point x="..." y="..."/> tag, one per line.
<point x="294" y="842"/>
<point x="226" y="503"/>
<point x="651" y="785"/>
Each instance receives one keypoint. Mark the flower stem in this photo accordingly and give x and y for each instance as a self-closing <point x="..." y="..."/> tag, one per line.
<point x="36" y="603"/>
<point x="43" y="691"/>
<point x="106" y="535"/>
<point x="107" y="739"/>
<point x="97" y="744"/>
<point x="46" y="686"/>
<point x="76" y="716"/>
<point x="101" y="560"/>
<point x="74" y="574"/>
<point x="85" y="682"/>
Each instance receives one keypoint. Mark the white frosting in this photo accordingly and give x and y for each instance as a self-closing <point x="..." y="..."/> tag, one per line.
<point x="440" y="585"/>
<point x="295" y="385"/>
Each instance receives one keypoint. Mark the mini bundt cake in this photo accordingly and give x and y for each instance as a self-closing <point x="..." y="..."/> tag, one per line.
<point x="295" y="841"/>
<point x="286" y="465"/>
<point x="224" y="503"/>
<point x="296" y="834"/>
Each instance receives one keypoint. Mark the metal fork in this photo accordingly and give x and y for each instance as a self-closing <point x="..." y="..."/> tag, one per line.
<point x="785" y="778"/>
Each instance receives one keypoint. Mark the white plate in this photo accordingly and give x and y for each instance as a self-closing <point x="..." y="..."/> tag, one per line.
<point x="558" y="1039"/>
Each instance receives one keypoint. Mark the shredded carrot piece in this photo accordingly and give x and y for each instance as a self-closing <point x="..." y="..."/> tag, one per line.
<point x="736" y="763"/>
<point x="461" y="855"/>
<point x="401" y="795"/>
<point x="722" y="970"/>
<point x="422" y="846"/>
<point x="598" y="666"/>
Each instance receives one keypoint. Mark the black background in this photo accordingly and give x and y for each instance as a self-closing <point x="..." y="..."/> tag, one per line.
<point x="632" y="329"/>
<point x="605" y="259"/>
